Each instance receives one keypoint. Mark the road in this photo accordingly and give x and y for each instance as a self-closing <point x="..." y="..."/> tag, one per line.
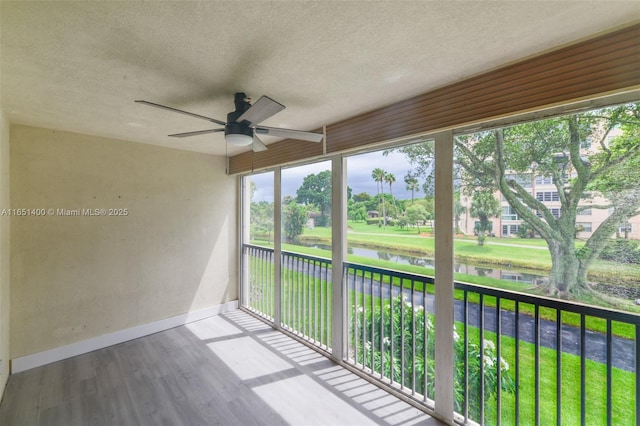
<point x="595" y="343"/>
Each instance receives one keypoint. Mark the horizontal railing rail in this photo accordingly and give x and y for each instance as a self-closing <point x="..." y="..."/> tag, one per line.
<point x="548" y="302"/>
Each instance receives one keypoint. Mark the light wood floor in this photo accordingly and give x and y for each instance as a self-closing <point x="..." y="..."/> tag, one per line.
<point x="227" y="370"/>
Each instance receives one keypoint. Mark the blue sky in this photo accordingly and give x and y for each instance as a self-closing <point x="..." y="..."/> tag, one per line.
<point x="359" y="168"/>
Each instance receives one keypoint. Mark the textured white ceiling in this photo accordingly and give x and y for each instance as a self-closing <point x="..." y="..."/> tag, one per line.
<point x="78" y="66"/>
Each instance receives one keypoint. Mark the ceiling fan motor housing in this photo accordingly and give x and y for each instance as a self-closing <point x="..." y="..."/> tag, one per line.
<point x="235" y="128"/>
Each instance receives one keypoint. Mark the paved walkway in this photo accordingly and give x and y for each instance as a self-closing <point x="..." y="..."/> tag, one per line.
<point x="595" y="342"/>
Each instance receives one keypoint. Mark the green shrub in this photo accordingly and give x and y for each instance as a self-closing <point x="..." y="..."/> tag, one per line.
<point x="374" y="220"/>
<point x="621" y="250"/>
<point x="378" y="355"/>
<point x="378" y="221"/>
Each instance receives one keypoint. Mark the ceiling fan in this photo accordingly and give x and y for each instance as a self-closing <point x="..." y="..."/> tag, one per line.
<point x="242" y="126"/>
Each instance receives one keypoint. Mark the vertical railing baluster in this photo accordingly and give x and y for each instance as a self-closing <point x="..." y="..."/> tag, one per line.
<point x="517" y="363"/>
<point x="356" y="317"/>
<point x="558" y="367"/>
<point x="300" y="279"/>
<point x="372" y="316"/>
<point x="315" y="303"/>
<point x="304" y="293"/>
<point x="260" y="284"/>
<point x="637" y="373"/>
<point x="267" y="287"/>
<point x="481" y="326"/>
<point x="252" y="282"/>
<point x="364" y="326"/>
<point x="256" y="282"/>
<point x="348" y="318"/>
<point x="249" y="284"/>
<point x="413" y="339"/>
<point x="292" y="290"/>
<point x="381" y="298"/>
<point x="299" y="295"/>
<point x="316" y="266"/>
<point x="263" y="285"/>
<point x="466" y="355"/>
<point x="327" y="304"/>
<point x="284" y="294"/>
<point x="402" y="336"/>
<point x="322" y="304"/>
<point x="425" y="340"/>
<point x="269" y="280"/>
<point x="536" y="332"/>
<point x="609" y="372"/>
<point x="498" y="363"/>
<point x="392" y="337"/>
<point x="306" y="310"/>
<point x="583" y="371"/>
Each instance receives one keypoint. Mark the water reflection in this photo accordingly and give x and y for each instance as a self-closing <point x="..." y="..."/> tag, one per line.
<point x="502" y="273"/>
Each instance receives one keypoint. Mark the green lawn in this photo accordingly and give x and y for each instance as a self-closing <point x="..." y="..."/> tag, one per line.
<point x="496" y="251"/>
<point x="623" y="383"/>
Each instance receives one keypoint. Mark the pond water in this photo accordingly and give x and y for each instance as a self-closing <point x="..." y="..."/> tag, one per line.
<point x="498" y="272"/>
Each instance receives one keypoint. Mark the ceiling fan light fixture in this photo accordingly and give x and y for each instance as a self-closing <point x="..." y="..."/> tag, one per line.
<point x="238" y="139"/>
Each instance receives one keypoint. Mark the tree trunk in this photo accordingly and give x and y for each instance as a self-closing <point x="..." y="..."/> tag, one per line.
<point x="567" y="275"/>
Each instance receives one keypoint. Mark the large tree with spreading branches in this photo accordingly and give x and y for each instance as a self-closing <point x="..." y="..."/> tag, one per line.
<point x="593" y="159"/>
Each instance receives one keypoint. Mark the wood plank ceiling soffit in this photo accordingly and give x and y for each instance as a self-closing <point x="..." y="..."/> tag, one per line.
<point x="598" y="66"/>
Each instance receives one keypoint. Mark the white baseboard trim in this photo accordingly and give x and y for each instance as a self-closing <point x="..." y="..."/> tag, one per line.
<point x="28" y="362"/>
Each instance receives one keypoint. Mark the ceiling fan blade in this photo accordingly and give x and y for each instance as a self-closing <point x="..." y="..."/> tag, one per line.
<point x="197" y="132"/>
<point x="213" y="120"/>
<point x="262" y="109"/>
<point x="290" y="134"/>
<point x="258" y="145"/>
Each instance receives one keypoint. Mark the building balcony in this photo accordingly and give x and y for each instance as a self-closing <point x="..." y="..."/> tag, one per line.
<point x="518" y="358"/>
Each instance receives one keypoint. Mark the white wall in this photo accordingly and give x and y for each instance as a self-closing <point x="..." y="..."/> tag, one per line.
<point x="77" y="277"/>
<point x="4" y="251"/>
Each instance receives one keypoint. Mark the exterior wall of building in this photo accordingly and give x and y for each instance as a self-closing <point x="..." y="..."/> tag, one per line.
<point x="508" y="223"/>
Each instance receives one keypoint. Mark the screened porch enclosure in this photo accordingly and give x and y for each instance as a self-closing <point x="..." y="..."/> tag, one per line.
<point x="462" y="351"/>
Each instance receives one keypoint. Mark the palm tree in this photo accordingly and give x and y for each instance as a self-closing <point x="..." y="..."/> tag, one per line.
<point x="412" y="185"/>
<point x="378" y="175"/>
<point x="390" y="178"/>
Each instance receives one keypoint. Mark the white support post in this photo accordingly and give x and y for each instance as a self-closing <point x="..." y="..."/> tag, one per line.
<point x="277" y="246"/>
<point x="243" y="220"/>
<point x="338" y="254"/>
<point x="444" y="275"/>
